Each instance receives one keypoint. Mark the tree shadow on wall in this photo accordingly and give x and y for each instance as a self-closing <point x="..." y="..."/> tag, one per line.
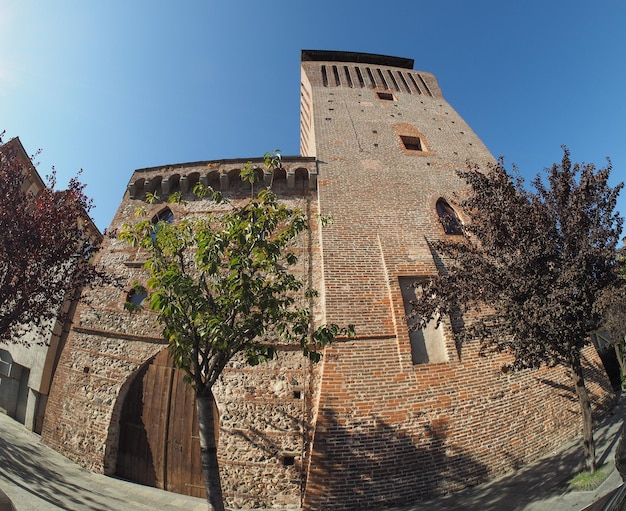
<point x="595" y="376"/>
<point x="374" y="465"/>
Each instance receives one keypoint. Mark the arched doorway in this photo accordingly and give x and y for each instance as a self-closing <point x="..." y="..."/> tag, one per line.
<point x="159" y="443"/>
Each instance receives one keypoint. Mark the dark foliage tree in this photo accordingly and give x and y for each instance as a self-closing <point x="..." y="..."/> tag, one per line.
<point x="46" y="244"/>
<point x="528" y="273"/>
<point x="613" y="306"/>
<point x="221" y="285"/>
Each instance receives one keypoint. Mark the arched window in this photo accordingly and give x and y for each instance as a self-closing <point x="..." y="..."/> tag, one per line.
<point x="448" y="218"/>
<point x="165" y="216"/>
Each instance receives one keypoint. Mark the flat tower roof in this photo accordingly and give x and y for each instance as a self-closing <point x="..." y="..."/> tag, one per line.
<point x="355" y="57"/>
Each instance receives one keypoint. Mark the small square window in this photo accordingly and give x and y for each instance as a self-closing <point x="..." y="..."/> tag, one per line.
<point x="412" y="143"/>
<point x="387" y="96"/>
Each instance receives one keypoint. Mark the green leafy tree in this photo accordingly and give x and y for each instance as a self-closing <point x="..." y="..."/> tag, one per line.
<point x="527" y="276"/>
<point x="221" y="285"/>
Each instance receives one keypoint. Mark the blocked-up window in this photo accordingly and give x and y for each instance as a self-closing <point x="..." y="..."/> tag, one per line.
<point x="427" y="344"/>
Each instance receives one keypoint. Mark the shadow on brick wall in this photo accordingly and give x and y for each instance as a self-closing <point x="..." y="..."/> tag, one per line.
<point x="374" y="465"/>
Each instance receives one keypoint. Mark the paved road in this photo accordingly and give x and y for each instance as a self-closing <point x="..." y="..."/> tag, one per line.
<point x="36" y="478"/>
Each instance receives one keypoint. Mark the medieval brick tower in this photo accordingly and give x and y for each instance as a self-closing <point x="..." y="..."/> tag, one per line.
<point x="386" y="418"/>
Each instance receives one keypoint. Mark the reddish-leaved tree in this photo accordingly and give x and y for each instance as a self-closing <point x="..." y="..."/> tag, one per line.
<point x="531" y="268"/>
<point x="47" y="241"/>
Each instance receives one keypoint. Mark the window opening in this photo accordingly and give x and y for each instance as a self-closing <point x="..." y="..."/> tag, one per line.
<point x="406" y="85"/>
<point x="412" y="143"/>
<point x="360" y="77"/>
<point x="448" y="218"/>
<point x="382" y="77"/>
<point x="387" y="96"/>
<point x="415" y="84"/>
<point x="324" y="77"/>
<point x="165" y="216"/>
<point x="336" y="73"/>
<point x="137" y="297"/>
<point x="424" y="85"/>
<point x="371" y="77"/>
<point x="348" y="77"/>
<point x="393" y="80"/>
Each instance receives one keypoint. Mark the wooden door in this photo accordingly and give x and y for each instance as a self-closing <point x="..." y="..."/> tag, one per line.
<point x="159" y="443"/>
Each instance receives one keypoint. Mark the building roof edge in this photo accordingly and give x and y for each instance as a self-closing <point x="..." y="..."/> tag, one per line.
<point x="355" y="57"/>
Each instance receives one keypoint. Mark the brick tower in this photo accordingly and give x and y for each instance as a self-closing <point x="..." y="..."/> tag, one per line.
<point x="403" y="416"/>
<point x="386" y="418"/>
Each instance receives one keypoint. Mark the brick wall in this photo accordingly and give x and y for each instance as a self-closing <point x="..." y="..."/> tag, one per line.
<point x="389" y="431"/>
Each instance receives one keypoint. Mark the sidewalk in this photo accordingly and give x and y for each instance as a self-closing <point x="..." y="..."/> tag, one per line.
<point x="36" y="478"/>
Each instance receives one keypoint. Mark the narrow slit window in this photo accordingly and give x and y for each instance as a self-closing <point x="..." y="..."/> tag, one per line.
<point x="371" y="77"/>
<point x="360" y="77"/>
<point x="348" y="77"/>
<point x="417" y="88"/>
<point x="393" y="80"/>
<point x="382" y="79"/>
<point x="336" y="73"/>
<point x="406" y="85"/>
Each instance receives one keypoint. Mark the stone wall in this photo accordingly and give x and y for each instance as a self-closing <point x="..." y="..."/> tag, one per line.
<point x="266" y="411"/>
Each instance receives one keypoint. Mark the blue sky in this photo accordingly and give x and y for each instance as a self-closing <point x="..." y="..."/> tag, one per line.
<point x="111" y="86"/>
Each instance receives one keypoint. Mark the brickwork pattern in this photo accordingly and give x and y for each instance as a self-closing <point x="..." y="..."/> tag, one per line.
<point x="387" y="431"/>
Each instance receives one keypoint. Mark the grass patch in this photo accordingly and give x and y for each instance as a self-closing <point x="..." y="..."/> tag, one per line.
<point x="586" y="481"/>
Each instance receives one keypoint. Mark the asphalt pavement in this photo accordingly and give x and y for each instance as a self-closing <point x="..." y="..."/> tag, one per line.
<point x="34" y="477"/>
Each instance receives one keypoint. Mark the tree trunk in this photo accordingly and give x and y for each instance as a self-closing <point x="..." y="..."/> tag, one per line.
<point x="589" y="447"/>
<point x="208" y="448"/>
<point x="620" y="360"/>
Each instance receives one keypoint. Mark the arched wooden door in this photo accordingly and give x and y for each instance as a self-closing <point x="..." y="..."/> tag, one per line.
<point x="159" y="443"/>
